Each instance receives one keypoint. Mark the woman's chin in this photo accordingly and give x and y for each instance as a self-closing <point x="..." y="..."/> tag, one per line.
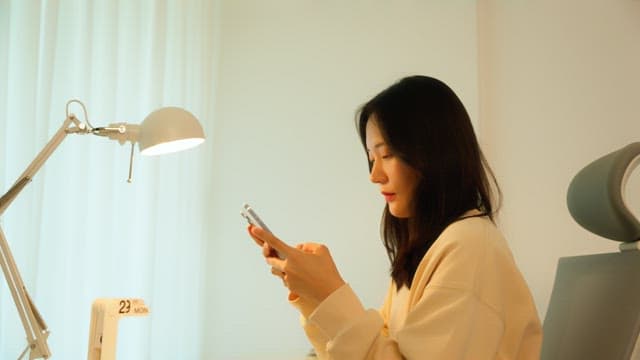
<point x="399" y="213"/>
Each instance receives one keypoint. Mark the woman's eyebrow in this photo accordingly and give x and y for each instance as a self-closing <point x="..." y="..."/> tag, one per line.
<point x="377" y="146"/>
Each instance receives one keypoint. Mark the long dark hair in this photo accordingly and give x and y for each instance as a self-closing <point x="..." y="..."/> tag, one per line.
<point x="426" y="125"/>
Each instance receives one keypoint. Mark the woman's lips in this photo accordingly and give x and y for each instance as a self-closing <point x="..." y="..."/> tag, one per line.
<point x="389" y="196"/>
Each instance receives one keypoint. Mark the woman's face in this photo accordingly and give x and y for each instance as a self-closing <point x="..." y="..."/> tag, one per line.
<point x="396" y="179"/>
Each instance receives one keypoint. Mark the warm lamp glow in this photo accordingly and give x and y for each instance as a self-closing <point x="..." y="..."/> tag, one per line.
<point x="168" y="130"/>
<point x="173" y="146"/>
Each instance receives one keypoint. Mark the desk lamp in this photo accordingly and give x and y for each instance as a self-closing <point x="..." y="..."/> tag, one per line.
<point x="165" y="130"/>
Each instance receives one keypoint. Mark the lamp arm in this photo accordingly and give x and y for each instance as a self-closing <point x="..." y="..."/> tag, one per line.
<point x="34" y="326"/>
<point x="41" y="158"/>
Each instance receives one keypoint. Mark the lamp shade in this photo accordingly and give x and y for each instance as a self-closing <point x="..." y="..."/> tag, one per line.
<point x="169" y="129"/>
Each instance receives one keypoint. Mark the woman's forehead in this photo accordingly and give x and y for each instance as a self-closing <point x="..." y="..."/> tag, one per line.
<point x="373" y="134"/>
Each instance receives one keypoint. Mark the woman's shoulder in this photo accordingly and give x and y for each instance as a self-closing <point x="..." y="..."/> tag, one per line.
<point x="470" y="224"/>
<point x="463" y="253"/>
<point x="471" y="233"/>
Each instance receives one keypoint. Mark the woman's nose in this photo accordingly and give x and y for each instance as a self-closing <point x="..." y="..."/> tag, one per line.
<point x="377" y="175"/>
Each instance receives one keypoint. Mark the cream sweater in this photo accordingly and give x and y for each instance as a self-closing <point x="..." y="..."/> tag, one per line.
<point x="467" y="301"/>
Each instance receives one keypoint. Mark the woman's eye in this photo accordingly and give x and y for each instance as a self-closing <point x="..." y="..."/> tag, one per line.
<point x="387" y="156"/>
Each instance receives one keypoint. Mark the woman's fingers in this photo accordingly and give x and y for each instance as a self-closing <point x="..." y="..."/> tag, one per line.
<point x="277" y="264"/>
<point x="257" y="240"/>
<point x="267" y="250"/>
<point x="309" y="271"/>
<point x="282" y="248"/>
<point x="310" y="247"/>
<point x="306" y="269"/>
<point x="277" y="273"/>
<point x="281" y="275"/>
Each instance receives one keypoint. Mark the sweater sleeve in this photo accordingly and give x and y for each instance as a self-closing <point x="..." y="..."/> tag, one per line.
<point x="318" y="338"/>
<point x="352" y="332"/>
<point x="314" y="334"/>
<point x="450" y="323"/>
<point x="461" y="328"/>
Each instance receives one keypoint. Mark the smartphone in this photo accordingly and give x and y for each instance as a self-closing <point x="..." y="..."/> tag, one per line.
<point x="253" y="219"/>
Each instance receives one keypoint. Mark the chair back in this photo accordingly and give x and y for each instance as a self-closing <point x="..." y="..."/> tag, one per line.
<point x="594" y="310"/>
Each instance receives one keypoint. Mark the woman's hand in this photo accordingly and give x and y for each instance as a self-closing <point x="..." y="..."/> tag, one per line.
<point x="307" y="270"/>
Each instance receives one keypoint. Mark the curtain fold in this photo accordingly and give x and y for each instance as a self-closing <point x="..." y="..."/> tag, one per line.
<point x="79" y="231"/>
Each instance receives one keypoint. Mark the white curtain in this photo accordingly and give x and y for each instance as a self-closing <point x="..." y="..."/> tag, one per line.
<point x="79" y="231"/>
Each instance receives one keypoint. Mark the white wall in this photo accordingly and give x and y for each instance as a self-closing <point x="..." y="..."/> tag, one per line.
<point x="560" y="83"/>
<point x="291" y="76"/>
<point x="558" y="86"/>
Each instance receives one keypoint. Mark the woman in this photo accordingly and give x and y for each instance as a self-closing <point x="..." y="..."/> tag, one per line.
<point x="455" y="291"/>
